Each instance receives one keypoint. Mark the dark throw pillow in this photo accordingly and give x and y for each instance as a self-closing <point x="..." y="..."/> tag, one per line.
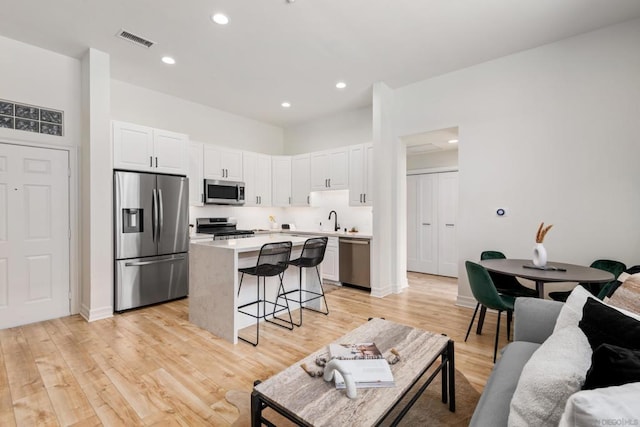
<point x="605" y="325"/>
<point x="612" y="365"/>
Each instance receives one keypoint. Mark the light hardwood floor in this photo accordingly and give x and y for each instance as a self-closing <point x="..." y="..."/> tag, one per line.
<point x="151" y="366"/>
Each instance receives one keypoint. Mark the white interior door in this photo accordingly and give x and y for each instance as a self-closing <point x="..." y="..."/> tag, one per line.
<point x="447" y="215"/>
<point x="412" y="222"/>
<point x="34" y="234"/>
<point x="427" y="224"/>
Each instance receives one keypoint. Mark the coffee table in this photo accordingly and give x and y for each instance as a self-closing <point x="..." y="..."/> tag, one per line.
<point x="311" y="401"/>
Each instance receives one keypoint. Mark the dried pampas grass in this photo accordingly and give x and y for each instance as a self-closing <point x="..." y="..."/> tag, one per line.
<point x="542" y="231"/>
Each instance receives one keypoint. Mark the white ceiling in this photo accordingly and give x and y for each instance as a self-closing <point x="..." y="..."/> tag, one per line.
<point x="273" y="50"/>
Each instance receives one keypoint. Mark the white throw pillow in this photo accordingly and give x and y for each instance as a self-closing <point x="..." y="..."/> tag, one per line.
<point x="555" y="371"/>
<point x="571" y="312"/>
<point x="612" y="406"/>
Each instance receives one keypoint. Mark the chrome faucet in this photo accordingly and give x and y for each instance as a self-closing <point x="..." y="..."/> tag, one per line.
<point x="336" y="226"/>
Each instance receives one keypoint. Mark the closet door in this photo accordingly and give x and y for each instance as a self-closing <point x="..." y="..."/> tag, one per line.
<point x="447" y="224"/>
<point x="428" y="224"/>
<point x="412" y="222"/>
<point x="432" y="210"/>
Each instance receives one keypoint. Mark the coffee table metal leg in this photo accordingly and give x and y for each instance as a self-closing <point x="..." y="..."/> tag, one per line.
<point x="445" y="382"/>
<point x="452" y="376"/>
<point x="256" y="410"/>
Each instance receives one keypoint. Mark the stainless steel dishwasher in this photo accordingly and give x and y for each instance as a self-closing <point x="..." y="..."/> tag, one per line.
<point x="355" y="264"/>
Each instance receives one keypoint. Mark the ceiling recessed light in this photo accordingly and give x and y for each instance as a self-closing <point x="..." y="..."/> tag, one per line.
<point x="220" y="18"/>
<point x="168" y="60"/>
<point x="286" y="104"/>
<point x="452" y="141"/>
<point x="341" y="85"/>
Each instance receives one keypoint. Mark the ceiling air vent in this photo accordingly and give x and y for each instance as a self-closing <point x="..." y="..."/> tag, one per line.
<point x="140" y="41"/>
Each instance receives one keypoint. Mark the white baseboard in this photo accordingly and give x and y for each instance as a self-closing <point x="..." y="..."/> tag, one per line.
<point x="465" y="301"/>
<point x="96" y="314"/>
<point x="381" y="293"/>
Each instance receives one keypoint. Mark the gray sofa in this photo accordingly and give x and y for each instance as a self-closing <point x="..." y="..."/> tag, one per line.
<point x="534" y="323"/>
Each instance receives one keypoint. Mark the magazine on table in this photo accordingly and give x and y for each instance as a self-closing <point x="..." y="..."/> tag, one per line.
<point x="365" y="362"/>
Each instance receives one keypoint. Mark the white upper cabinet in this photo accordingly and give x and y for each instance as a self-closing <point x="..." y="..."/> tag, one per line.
<point x="142" y="148"/>
<point x="222" y="163"/>
<point x="195" y="174"/>
<point x="281" y="172"/>
<point x="300" y="180"/>
<point x="330" y="170"/>
<point x="257" y="178"/>
<point x="360" y="174"/>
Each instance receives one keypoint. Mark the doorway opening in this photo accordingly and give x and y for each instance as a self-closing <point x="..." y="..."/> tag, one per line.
<point x="432" y="202"/>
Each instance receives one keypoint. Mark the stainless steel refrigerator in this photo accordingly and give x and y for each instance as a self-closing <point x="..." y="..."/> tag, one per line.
<point x="151" y="238"/>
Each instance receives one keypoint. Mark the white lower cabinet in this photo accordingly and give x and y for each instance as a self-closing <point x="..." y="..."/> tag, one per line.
<point x="432" y="208"/>
<point x="330" y="264"/>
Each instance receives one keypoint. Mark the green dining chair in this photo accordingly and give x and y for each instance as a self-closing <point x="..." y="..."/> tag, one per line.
<point x="609" y="288"/>
<point x="505" y="284"/>
<point x="486" y="294"/>
<point x="614" y="267"/>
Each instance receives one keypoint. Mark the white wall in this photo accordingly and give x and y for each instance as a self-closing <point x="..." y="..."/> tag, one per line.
<point x="97" y="190"/>
<point x="138" y="105"/>
<point x="551" y="133"/>
<point x="36" y="76"/>
<point x="437" y="159"/>
<point x="346" y="128"/>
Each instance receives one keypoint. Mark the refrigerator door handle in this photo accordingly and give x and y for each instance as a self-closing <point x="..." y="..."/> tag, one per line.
<point x="159" y="261"/>
<point x="161" y="214"/>
<point x="154" y="219"/>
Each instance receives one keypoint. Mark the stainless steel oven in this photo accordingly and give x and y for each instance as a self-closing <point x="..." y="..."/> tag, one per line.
<point x="217" y="192"/>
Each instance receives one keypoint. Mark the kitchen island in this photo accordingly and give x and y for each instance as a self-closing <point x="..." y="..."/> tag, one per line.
<point x="214" y="281"/>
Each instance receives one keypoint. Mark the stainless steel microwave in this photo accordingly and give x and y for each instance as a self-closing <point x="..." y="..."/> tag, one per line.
<point x="218" y="192"/>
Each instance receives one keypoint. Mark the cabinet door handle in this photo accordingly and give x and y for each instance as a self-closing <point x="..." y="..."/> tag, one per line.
<point x="426" y="223"/>
<point x="156" y="162"/>
<point x="289" y="199"/>
<point x="449" y="225"/>
<point x="365" y="197"/>
<point x="360" y="197"/>
<point x="308" y="200"/>
<point x="150" y="161"/>
<point x="202" y="197"/>
<point x="329" y="182"/>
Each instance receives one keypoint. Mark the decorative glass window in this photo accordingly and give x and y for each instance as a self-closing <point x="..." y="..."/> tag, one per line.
<point x="30" y="118"/>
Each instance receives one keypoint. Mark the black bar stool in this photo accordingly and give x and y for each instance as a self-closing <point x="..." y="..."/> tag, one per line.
<point x="311" y="256"/>
<point x="273" y="260"/>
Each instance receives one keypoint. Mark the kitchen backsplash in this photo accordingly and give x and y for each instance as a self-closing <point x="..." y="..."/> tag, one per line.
<point x="304" y="218"/>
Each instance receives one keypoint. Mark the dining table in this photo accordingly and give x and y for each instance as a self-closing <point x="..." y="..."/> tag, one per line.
<point x="552" y="272"/>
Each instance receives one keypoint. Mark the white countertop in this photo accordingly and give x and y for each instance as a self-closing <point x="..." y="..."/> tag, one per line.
<point x="357" y="235"/>
<point x="251" y="243"/>
<point x="200" y="236"/>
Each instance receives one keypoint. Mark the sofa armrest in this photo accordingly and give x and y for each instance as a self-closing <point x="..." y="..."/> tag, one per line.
<point x="535" y="319"/>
